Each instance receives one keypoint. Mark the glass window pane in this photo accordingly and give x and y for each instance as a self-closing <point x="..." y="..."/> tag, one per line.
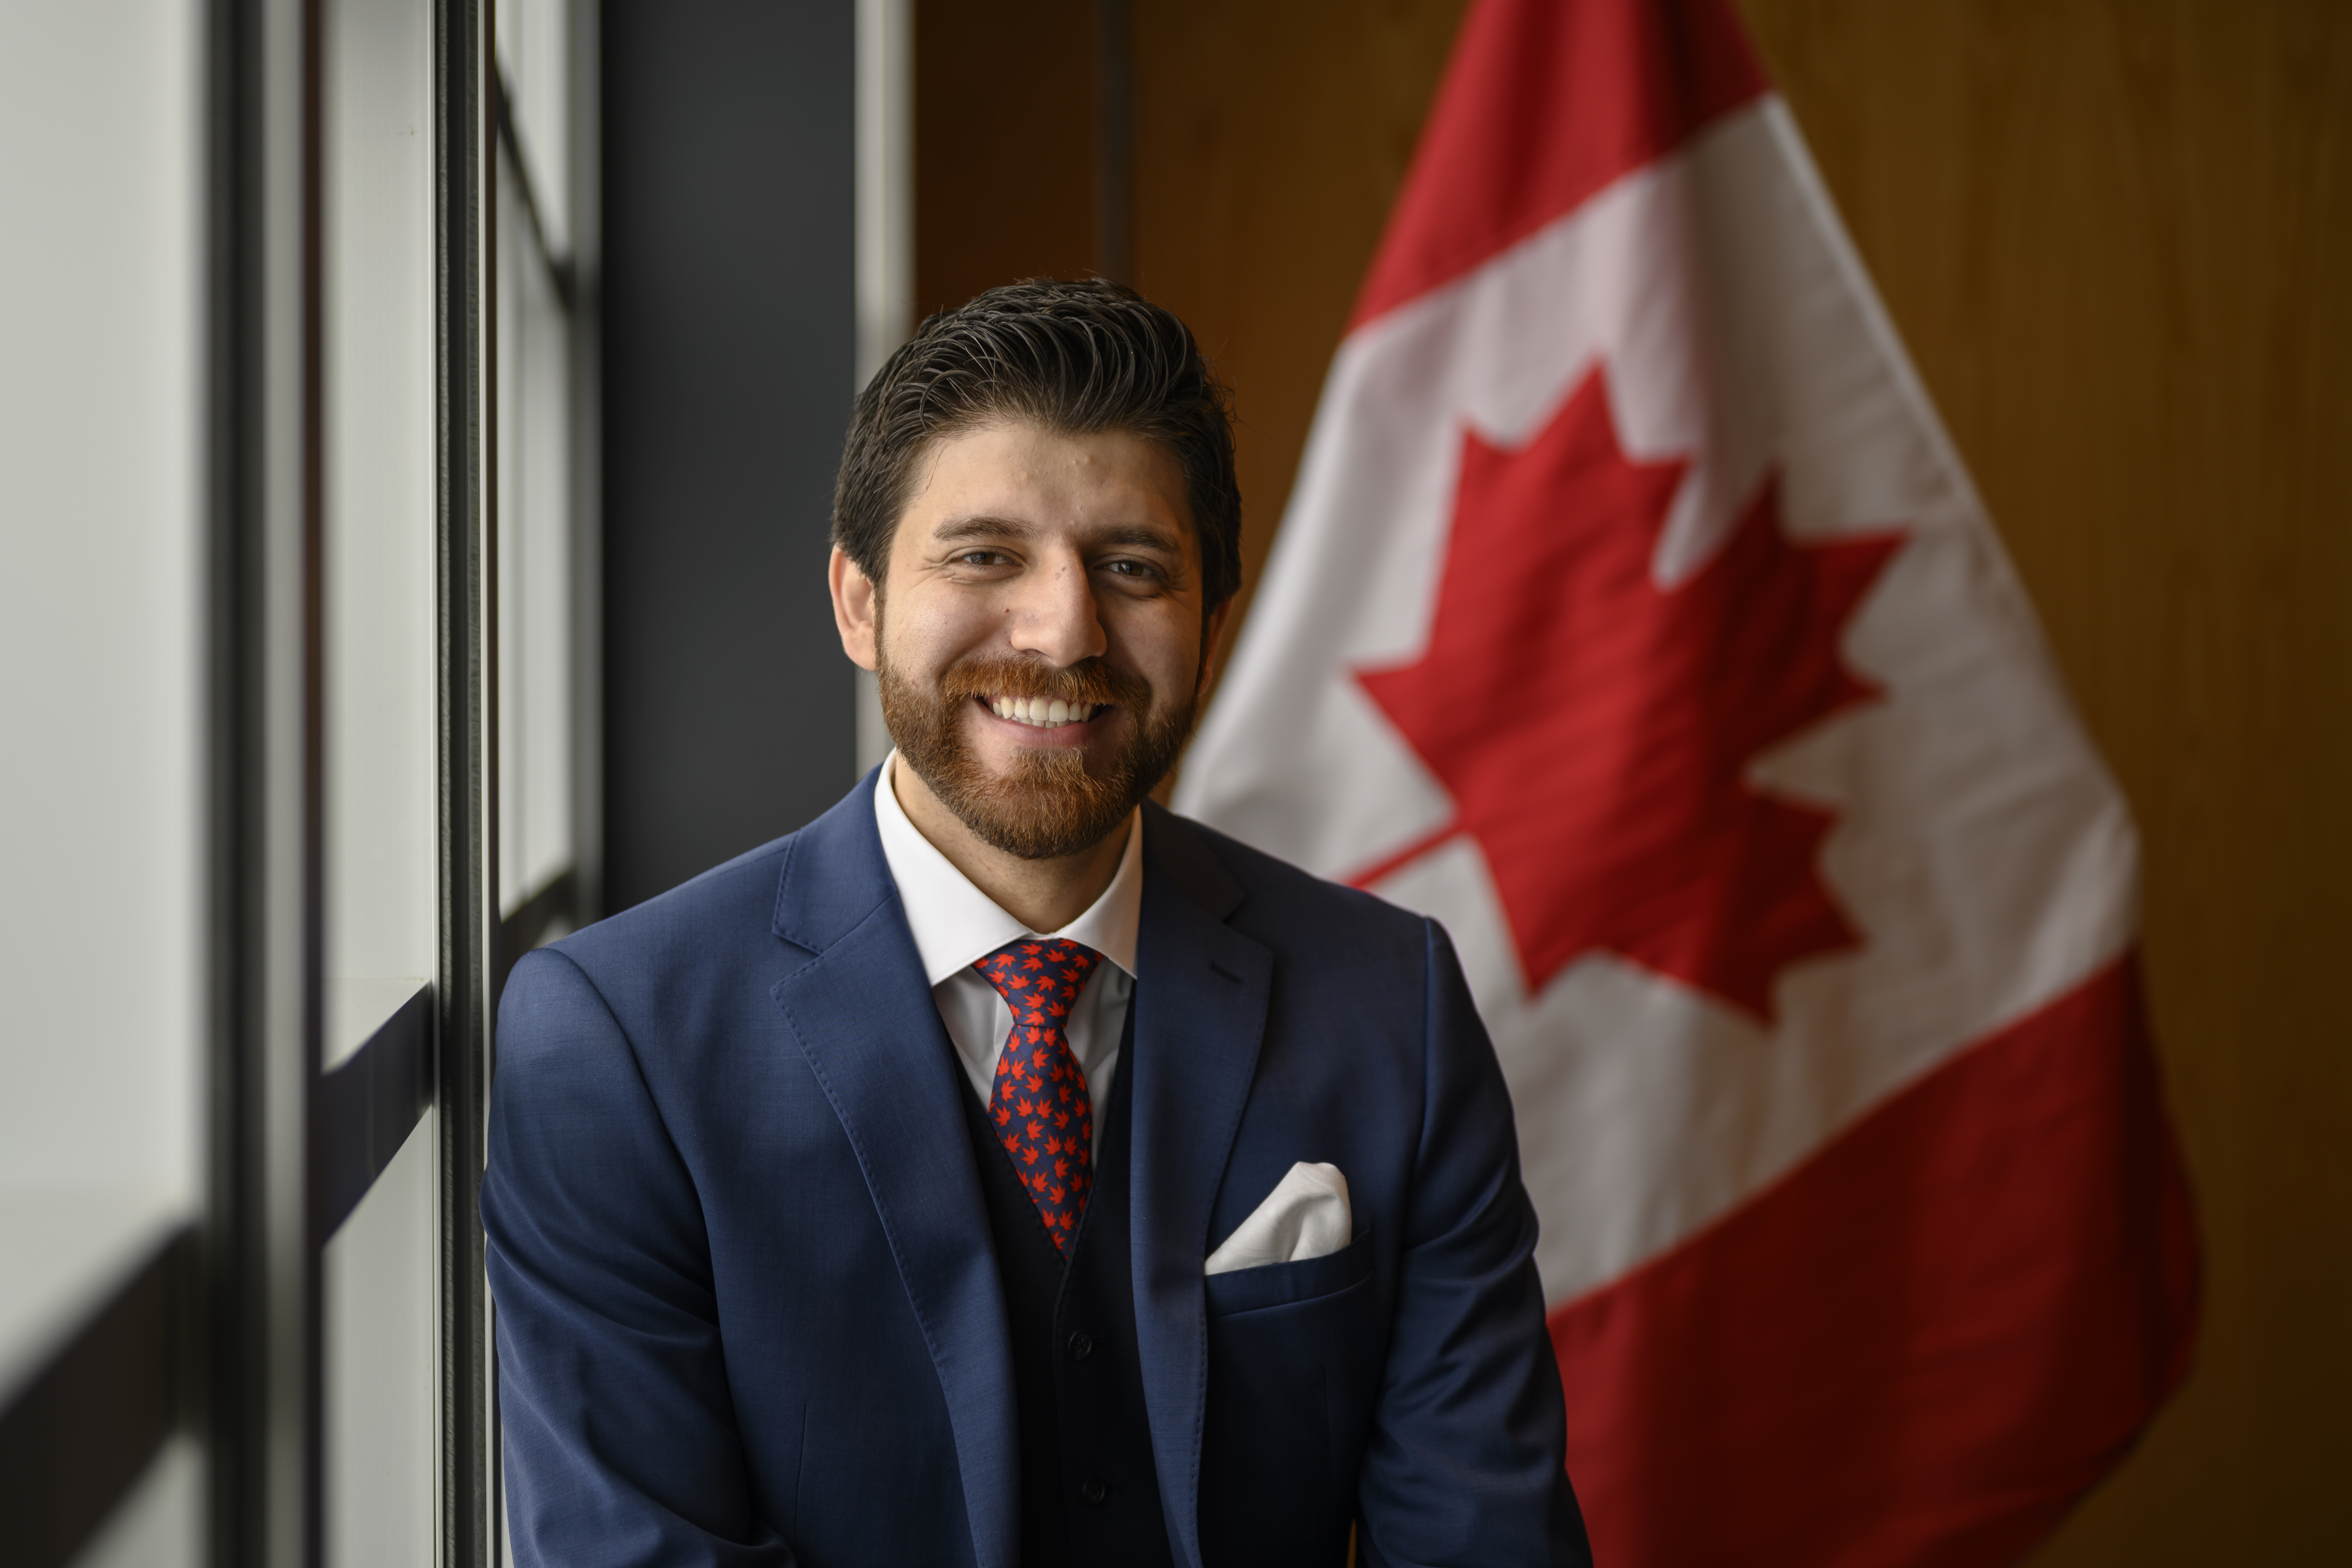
<point x="535" y="567"/>
<point x="378" y="1275"/>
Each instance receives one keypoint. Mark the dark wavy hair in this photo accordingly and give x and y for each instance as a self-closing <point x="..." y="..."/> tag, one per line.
<point x="1075" y="357"/>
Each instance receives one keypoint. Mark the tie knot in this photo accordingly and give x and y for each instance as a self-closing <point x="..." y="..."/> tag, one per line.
<point x="1038" y="970"/>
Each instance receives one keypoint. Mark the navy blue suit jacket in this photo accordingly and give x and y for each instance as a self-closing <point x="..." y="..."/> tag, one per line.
<point x="748" y="1310"/>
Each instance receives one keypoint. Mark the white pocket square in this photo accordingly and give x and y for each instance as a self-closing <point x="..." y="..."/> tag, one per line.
<point x="1305" y="1215"/>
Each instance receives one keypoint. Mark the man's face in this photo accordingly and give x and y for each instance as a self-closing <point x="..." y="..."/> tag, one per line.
<point x="1038" y="636"/>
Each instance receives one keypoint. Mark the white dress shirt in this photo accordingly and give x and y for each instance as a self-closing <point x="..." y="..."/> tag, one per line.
<point x="956" y="925"/>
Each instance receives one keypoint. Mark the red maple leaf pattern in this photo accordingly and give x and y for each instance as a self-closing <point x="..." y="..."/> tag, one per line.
<point x="1032" y="1058"/>
<point x="1595" y="730"/>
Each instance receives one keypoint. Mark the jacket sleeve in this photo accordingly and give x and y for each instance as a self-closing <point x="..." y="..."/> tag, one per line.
<point x="621" y="1444"/>
<point x="1466" y="1458"/>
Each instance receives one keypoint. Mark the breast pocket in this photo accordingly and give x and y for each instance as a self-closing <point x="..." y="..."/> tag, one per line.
<point x="1294" y="1358"/>
<point x="1283" y="1284"/>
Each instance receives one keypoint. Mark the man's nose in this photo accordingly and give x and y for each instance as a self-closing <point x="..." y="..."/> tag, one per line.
<point x="1054" y="616"/>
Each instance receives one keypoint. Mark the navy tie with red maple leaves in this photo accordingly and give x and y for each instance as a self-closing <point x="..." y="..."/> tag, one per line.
<point x="1039" y="1102"/>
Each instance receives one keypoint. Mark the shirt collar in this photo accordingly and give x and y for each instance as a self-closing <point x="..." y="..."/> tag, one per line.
<point x="955" y="924"/>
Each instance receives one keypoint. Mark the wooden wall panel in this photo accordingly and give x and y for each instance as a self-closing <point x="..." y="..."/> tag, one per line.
<point x="1269" y="142"/>
<point x="1004" y="145"/>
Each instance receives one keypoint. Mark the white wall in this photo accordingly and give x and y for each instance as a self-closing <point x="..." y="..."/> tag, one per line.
<point x="885" y="239"/>
<point x="100" y="667"/>
<point x="379" y="528"/>
<point x="154" y="1525"/>
<point x="535" y="567"/>
<point x="101" y="675"/>
<point x="377" y="1360"/>
<point x="535" y="51"/>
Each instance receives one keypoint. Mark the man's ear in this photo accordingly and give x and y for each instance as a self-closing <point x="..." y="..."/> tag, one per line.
<point x="1211" y="636"/>
<point x="854" y="602"/>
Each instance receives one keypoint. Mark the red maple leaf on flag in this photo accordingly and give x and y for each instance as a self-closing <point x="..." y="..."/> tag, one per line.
<point x="1595" y="730"/>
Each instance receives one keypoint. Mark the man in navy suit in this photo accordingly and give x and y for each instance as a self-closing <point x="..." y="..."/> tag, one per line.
<point x="1000" y="1169"/>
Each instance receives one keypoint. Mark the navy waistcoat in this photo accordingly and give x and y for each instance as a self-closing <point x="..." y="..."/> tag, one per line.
<point x="1090" y="1491"/>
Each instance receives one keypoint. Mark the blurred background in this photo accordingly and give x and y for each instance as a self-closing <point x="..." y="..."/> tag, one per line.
<point x="421" y="420"/>
<point x="2110" y="236"/>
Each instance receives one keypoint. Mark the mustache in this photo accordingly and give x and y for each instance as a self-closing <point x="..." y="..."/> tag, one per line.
<point x="1090" y="680"/>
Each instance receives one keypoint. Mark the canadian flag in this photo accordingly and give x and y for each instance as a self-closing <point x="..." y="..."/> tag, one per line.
<point x="1634" y="616"/>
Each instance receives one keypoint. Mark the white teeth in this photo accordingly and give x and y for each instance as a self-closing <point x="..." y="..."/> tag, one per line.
<point x="1042" y="713"/>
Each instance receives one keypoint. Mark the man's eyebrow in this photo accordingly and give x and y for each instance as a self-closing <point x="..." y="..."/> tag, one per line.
<point x="983" y="527"/>
<point x="1142" y="535"/>
<point x="1127" y="536"/>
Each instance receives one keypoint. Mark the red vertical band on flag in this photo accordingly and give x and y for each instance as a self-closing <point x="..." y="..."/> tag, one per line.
<point x="1921" y="1346"/>
<point x="1543" y="104"/>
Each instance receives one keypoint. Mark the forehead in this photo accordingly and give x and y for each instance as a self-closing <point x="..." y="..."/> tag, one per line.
<point x="1027" y="476"/>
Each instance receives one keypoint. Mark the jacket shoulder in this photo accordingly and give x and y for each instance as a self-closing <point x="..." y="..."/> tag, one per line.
<point x="1268" y="893"/>
<point x="823" y="877"/>
<point x="722" y="903"/>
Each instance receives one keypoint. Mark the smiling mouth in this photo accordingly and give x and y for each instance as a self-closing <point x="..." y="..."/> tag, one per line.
<point x="1043" y="713"/>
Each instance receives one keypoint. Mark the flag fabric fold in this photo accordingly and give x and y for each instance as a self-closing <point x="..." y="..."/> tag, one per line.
<point x="1634" y="616"/>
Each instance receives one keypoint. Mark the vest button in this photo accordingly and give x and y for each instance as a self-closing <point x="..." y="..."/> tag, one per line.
<point x="1094" y="1491"/>
<point x="1082" y="1345"/>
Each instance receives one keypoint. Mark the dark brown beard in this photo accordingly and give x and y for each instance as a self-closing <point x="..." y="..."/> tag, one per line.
<point x="1048" y="804"/>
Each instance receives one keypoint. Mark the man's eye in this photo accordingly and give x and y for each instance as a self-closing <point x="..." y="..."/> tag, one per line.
<point x="981" y="558"/>
<point x="1131" y="569"/>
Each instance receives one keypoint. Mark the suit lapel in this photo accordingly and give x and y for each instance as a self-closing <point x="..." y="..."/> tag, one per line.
<point x="864" y="1019"/>
<point x="1201" y="997"/>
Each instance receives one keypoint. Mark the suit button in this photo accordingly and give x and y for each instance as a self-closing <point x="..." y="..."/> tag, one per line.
<point x="1094" y="1491"/>
<point x="1082" y="1345"/>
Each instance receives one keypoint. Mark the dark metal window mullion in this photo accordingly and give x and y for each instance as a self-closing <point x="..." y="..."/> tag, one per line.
<point x="235" y="1253"/>
<point x="466" y="587"/>
<point x="263" y="782"/>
